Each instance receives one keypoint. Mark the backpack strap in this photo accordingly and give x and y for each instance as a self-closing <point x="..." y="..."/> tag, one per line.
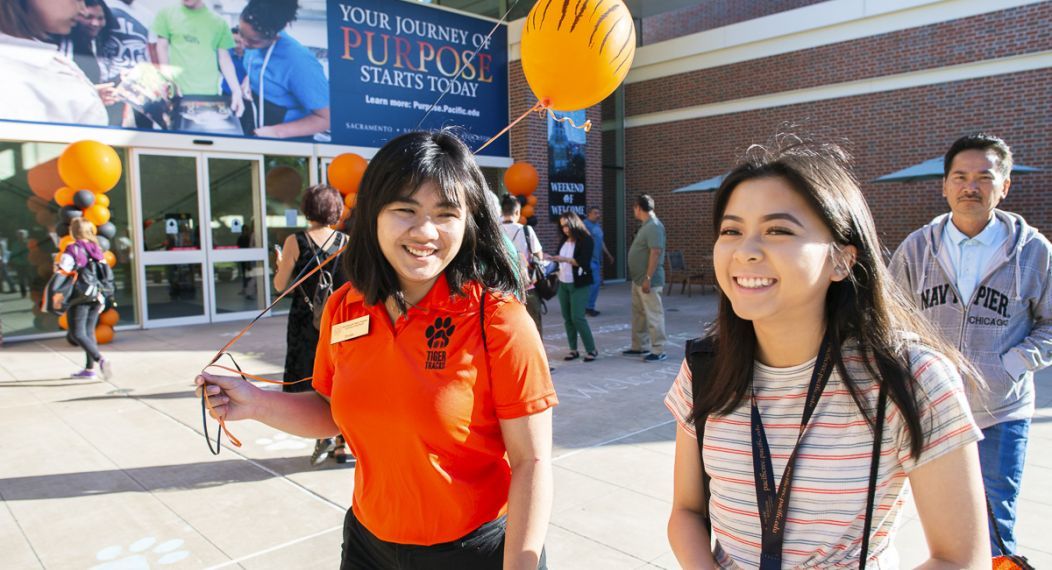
<point x="874" y="464"/>
<point x="701" y="355"/>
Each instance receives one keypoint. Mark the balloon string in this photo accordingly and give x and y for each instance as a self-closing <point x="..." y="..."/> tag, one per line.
<point x="244" y="375"/>
<point x="586" y="126"/>
<point x="540" y="107"/>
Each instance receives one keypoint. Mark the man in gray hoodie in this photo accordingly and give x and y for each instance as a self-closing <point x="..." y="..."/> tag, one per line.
<point x="982" y="277"/>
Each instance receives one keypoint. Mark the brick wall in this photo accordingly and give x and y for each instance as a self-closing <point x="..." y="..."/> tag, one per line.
<point x="886" y="132"/>
<point x="529" y="142"/>
<point x="709" y="14"/>
<point x="1026" y="29"/>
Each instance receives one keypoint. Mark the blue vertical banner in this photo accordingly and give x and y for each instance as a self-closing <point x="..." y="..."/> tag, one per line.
<point x="566" y="165"/>
<point x="390" y="60"/>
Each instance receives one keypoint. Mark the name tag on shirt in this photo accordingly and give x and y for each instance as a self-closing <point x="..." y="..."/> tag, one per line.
<point x="351" y="329"/>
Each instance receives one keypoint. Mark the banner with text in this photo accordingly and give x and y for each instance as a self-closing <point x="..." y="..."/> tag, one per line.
<point x="566" y="165"/>
<point x="389" y="62"/>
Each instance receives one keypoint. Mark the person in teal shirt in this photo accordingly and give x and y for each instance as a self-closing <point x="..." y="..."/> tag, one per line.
<point x="646" y="261"/>
<point x="195" y="43"/>
<point x="286" y="85"/>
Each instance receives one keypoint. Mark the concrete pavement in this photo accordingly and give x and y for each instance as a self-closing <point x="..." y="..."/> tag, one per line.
<point x="114" y="474"/>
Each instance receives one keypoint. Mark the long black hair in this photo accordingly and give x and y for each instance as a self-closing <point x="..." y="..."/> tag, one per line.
<point x="268" y="17"/>
<point x="577" y="230"/>
<point x="402" y="166"/>
<point x="867" y="308"/>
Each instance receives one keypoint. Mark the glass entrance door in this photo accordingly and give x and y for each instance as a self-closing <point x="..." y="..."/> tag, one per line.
<point x="203" y="245"/>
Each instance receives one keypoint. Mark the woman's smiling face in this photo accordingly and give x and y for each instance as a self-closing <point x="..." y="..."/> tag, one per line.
<point x="419" y="235"/>
<point x="772" y="255"/>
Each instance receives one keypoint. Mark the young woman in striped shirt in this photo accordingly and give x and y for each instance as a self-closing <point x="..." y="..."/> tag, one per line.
<point x="815" y="333"/>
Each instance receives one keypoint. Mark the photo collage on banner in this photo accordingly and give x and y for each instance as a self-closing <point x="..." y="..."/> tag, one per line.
<point x="263" y="68"/>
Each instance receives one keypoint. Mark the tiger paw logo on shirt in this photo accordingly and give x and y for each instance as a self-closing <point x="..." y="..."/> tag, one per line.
<point x="438" y="336"/>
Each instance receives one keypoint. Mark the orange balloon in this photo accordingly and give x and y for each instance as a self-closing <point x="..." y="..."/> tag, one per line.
<point x="63" y="322"/>
<point x="102" y="200"/>
<point x="531" y="200"/>
<point x="97" y="215"/>
<point x="111" y="259"/>
<point x="44" y="180"/>
<point x="104" y="334"/>
<point x="64" y="243"/>
<point x="522" y="220"/>
<point x="346" y="171"/>
<point x="350" y="200"/>
<point x="284" y="184"/>
<point x="64" y="196"/>
<point x="109" y="317"/>
<point x="527" y="211"/>
<point x="521" y="179"/>
<point x="575" y="60"/>
<point x="90" y="165"/>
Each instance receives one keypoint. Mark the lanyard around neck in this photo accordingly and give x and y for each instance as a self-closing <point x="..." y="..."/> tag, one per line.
<point x="262" y="85"/>
<point x="772" y="500"/>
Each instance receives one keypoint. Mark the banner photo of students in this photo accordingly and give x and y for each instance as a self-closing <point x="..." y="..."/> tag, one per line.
<point x="391" y="61"/>
<point x="257" y="68"/>
<point x="566" y="165"/>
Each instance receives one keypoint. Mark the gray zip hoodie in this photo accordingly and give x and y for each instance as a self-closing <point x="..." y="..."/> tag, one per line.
<point x="1005" y="329"/>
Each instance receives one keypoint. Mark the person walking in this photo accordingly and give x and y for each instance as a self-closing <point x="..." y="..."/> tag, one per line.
<point x="83" y="260"/>
<point x="818" y="372"/>
<point x="983" y="277"/>
<point x="429" y="366"/>
<point x="591" y="223"/>
<point x="302" y="252"/>
<point x="646" y="270"/>
<point x="575" y="276"/>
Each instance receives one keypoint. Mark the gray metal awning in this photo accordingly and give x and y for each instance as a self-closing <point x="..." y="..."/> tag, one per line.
<point x="707" y="185"/>
<point x="930" y="169"/>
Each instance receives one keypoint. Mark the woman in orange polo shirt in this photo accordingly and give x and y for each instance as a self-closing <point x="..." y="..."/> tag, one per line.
<point x="432" y="370"/>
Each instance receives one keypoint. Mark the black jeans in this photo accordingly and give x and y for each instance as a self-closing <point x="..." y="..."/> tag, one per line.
<point x="481" y="549"/>
<point x="82" y="320"/>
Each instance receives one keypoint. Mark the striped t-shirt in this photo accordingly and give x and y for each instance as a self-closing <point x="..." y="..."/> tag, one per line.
<point x="827" y="506"/>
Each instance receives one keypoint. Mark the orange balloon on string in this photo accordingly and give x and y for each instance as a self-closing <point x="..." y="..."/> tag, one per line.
<point x="522" y="220"/>
<point x="521" y="179"/>
<point x="346" y="171"/>
<point x="63" y="322"/>
<point x="111" y="259"/>
<point x="527" y="211"/>
<point x="531" y="200"/>
<point x="64" y="196"/>
<point x="350" y="200"/>
<point x="102" y="200"/>
<point x="97" y="215"/>
<point x="90" y="165"/>
<point x="575" y="58"/>
<point x="104" y="334"/>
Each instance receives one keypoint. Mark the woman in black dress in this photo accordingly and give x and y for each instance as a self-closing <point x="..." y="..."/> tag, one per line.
<point x="303" y="251"/>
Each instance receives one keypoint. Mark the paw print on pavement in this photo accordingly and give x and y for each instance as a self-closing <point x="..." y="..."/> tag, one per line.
<point x="282" y="442"/>
<point x="439" y="333"/>
<point x="140" y="555"/>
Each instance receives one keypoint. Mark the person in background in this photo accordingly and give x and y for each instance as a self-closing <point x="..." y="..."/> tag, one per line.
<point x="84" y="45"/>
<point x="127" y="46"/>
<point x="83" y="313"/>
<point x="41" y="84"/>
<point x="575" y="275"/>
<point x="646" y="270"/>
<point x="983" y="277"/>
<point x="303" y="251"/>
<point x="286" y="83"/>
<point x="528" y="252"/>
<point x="237" y="55"/>
<point x="591" y="223"/>
<point x="428" y="365"/>
<point x="195" y="43"/>
<point x="817" y="385"/>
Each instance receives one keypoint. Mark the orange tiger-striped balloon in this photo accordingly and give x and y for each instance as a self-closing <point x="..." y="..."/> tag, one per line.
<point x="576" y="52"/>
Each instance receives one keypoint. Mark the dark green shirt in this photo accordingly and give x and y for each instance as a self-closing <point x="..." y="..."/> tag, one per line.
<point x="650" y="236"/>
